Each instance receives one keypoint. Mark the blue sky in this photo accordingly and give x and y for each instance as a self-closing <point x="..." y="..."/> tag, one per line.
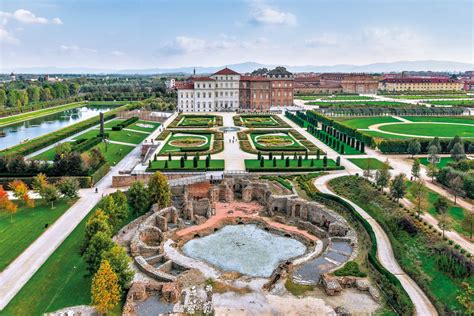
<point x="163" y="33"/>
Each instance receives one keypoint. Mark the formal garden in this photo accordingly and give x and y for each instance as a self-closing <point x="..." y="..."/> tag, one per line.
<point x="276" y="141"/>
<point x="179" y="142"/>
<point x="291" y="163"/>
<point x="187" y="163"/>
<point x="259" y="121"/>
<point x="196" y="121"/>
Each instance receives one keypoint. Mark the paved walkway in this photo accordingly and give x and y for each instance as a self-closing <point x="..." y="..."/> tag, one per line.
<point x="423" y="305"/>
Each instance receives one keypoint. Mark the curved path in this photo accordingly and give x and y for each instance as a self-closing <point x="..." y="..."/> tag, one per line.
<point x="423" y="305"/>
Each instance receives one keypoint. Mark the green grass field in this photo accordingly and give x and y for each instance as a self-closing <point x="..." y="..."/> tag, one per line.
<point x="254" y="165"/>
<point x="365" y="122"/>
<point x="275" y="142"/>
<point x="259" y="121"/>
<point x="442" y="163"/>
<point x="362" y="163"/>
<point x="170" y="148"/>
<point x="383" y="135"/>
<point x="347" y="97"/>
<point x="468" y="102"/>
<point x="427" y="96"/>
<point x="29" y="115"/>
<point x="115" y="152"/>
<point x="61" y="281"/>
<point x="357" y="104"/>
<point x="448" y="119"/>
<point x="428" y="129"/>
<point x="197" y="120"/>
<point x="456" y="213"/>
<point x="140" y="126"/>
<point x="26" y="226"/>
<point x="188" y="165"/>
<point x="118" y="136"/>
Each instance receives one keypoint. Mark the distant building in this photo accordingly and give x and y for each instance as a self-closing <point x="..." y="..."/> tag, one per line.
<point x="336" y="83"/>
<point x="227" y="90"/>
<point x="421" y="84"/>
<point x="12" y="77"/>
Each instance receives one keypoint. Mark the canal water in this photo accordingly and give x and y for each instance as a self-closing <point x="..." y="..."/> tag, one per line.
<point x="19" y="132"/>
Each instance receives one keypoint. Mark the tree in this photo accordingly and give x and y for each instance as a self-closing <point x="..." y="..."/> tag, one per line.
<point x="159" y="190"/>
<point x="63" y="148"/>
<point x="367" y="171"/>
<point x="98" y="244"/>
<point x="181" y="162"/>
<point x="456" y="185"/>
<point x="6" y="204"/>
<point x="105" y="289"/>
<point x="325" y="161"/>
<point x="398" y="187"/>
<point x="432" y="171"/>
<point x="414" y="147"/>
<point x="444" y="223"/>
<point x="3" y="98"/>
<point x="441" y="205"/>
<point x="98" y="222"/>
<point x="433" y="154"/>
<point x="454" y="141"/>
<point x="21" y="192"/>
<point x="138" y="197"/>
<point x="39" y="181"/>
<point x="50" y="194"/>
<point x="69" y="187"/>
<point x="382" y="176"/>
<point x="287" y="162"/>
<point x="436" y="143"/>
<point x="119" y="261"/>
<point x="121" y="206"/>
<point x="415" y="168"/>
<point x="468" y="223"/>
<point x="97" y="158"/>
<point x="419" y="193"/>
<point x="457" y="153"/>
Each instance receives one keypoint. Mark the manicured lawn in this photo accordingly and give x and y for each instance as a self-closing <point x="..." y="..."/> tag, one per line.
<point x="115" y="152"/>
<point x="197" y="142"/>
<point x="308" y="97"/>
<point x="426" y="129"/>
<point x="144" y="126"/>
<point x="197" y="120"/>
<point x="456" y="213"/>
<point x="254" y="165"/>
<point x="383" y="135"/>
<point x="47" y="155"/>
<point x="111" y="123"/>
<point x="362" y="163"/>
<point x="188" y="165"/>
<point x="468" y="102"/>
<point x="275" y="142"/>
<point x="442" y="163"/>
<point x="365" y="122"/>
<point x="367" y="103"/>
<point x="118" y="136"/>
<point x="347" y="97"/>
<point x="260" y="120"/>
<point x="427" y="96"/>
<point x="448" y="119"/>
<point x="29" y="115"/>
<point x="26" y="226"/>
<point x="61" y="281"/>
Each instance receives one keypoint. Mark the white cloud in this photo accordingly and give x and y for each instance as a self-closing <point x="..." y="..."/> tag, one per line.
<point x="263" y="14"/>
<point x="7" y="37"/>
<point x="117" y="53"/>
<point x="28" y="17"/>
<point x="391" y="37"/>
<point x="188" y="45"/>
<point x="324" y="40"/>
<point x="76" y="49"/>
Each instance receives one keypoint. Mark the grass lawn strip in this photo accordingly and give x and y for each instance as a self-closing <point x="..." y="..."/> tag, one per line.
<point x="260" y="120"/>
<point x="39" y="113"/>
<point x="365" y="122"/>
<point x="118" y="136"/>
<point x="430" y="129"/>
<point x="442" y="162"/>
<point x="115" y="152"/>
<point x="275" y="142"/>
<point x="362" y="163"/>
<point x="449" y="119"/>
<point x="175" y="165"/>
<point x="144" y="126"/>
<point x="27" y="225"/>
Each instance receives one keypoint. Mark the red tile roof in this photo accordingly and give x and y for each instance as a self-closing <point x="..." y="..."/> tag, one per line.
<point x="226" y="71"/>
<point x="180" y="85"/>
<point x="253" y="78"/>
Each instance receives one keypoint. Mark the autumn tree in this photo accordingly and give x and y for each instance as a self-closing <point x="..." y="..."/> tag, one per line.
<point x="39" y="182"/>
<point x="159" y="190"/>
<point x="105" y="289"/>
<point x="119" y="261"/>
<point x="21" y="192"/>
<point x="50" y="194"/>
<point x="138" y="197"/>
<point x="6" y="204"/>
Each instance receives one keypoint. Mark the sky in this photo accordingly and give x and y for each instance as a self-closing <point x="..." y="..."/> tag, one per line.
<point x="125" y="34"/>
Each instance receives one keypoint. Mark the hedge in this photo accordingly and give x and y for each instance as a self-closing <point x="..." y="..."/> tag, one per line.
<point x="400" y="146"/>
<point x="86" y="144"/>
<point x="122" y="125"/>
<point x="395" y="294"/>
<point x="100" y="173"/>
<point x="53" y="137"/>
<point x="38" y="106"/>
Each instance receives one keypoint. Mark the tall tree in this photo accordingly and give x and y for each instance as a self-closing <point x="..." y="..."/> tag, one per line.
<point x="50" y="194"/>
<point x="159" y="190"/>
<point x="105" y="289"/>
<point x="457" y="153"/>
<point x="98" y="244"/>
<point x="468" y="222"/>
<point x="433" y="154"/>
<point x="3" y="98"/>
<point x="6" y="204"/>
<point x="444" y="223"/>
<point x="414" y="147"/>
<point x="138" y="197"/>
<point x="21" y="192"/>
<point x="441" y="205"/>
<point x="454" y="141"/>
<point x="456" y="185"/>
<point x="398" y="187"/>
<point x="119" y="261"/>
<point x="415" y="168"/>
<point x="69" y="187"/>
<point x="419" y="193"/>
<point x="98" y="222"/>
<point x="436" y="143"/>
<point x="382" y="176"/>
<point x="432" y="171"/>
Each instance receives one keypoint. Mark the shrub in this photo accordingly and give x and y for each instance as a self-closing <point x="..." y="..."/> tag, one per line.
<point x="351" y="268"/>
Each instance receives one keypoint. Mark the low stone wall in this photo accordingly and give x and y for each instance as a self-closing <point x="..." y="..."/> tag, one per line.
<point x="127" y="180"/>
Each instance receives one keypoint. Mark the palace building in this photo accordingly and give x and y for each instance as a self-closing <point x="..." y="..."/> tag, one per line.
<point x="421" y="84"/>
<point x="227" y="90"/>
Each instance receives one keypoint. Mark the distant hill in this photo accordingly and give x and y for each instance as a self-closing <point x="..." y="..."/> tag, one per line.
<point x="397" y="66"/>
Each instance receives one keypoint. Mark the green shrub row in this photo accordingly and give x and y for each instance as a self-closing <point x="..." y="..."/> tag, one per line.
<point x="100" y="173"/>
<point x="38" y="106"/>
<point x="293" y="169"/>
<point x="86" y="144"/>
<point x="122" y="125"/>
